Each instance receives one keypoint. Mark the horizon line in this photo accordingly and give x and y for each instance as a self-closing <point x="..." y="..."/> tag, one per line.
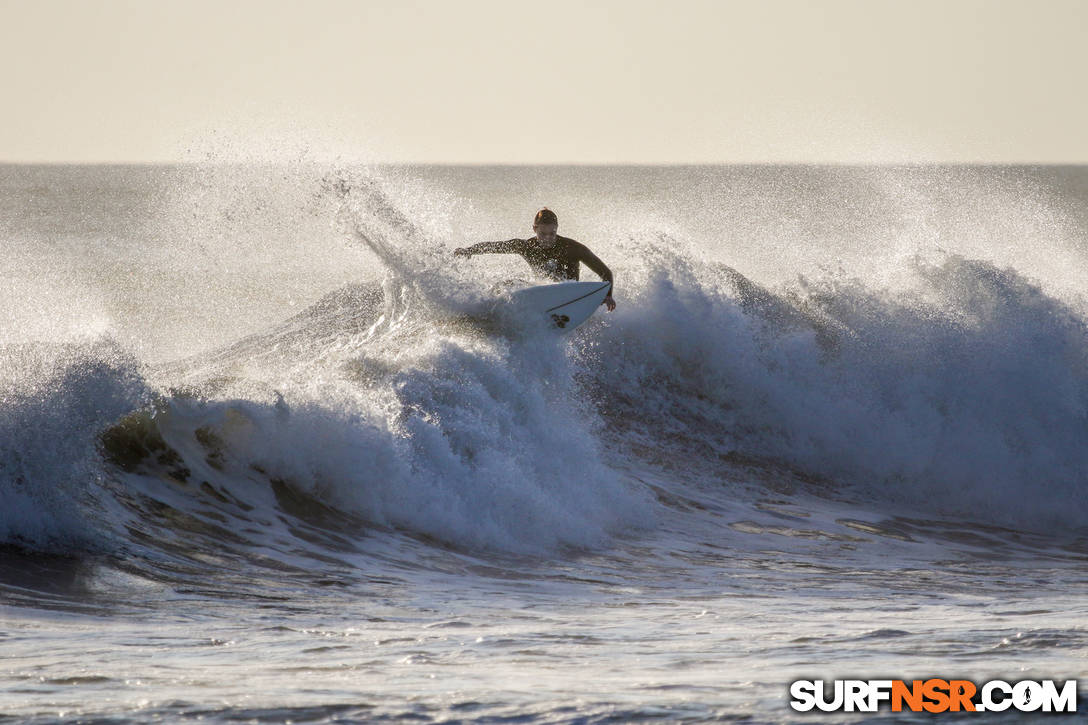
<point x="527" y="164"/>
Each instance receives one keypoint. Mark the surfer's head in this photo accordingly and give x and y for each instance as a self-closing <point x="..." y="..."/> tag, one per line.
<point x="546" y="216"/>
<point x="546" y="226"/>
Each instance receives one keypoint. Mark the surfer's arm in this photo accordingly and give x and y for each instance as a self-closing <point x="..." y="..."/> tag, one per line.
<point x="507" y="247"/>
<point x="594" y="262"/>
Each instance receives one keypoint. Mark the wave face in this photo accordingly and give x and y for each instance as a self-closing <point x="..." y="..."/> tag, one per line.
<point x="474" y="442"/>
<point x="947" y="386"/>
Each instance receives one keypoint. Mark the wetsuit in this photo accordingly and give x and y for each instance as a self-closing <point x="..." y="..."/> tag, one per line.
<point x="559" y="261"/>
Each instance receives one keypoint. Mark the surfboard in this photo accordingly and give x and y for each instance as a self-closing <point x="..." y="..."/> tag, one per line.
<point x="564" y="305"/>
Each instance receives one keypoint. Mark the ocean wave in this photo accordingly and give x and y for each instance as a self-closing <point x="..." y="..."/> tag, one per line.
<point x="961" y="391"/>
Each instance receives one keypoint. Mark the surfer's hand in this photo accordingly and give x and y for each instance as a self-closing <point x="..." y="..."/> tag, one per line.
<point x="462" y="252"/>
<point x="609" y="303"/>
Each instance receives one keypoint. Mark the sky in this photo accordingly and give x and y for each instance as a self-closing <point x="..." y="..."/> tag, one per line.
<point x="509" y="82"/>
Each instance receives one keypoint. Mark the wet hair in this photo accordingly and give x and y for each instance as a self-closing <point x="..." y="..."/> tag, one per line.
<point x="545" y="216"/>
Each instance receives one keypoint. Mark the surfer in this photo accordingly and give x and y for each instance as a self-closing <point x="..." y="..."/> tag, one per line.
<point x="549" y="254"/>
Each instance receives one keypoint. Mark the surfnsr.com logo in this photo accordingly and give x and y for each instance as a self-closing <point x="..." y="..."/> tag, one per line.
<point x="934" y="695"/>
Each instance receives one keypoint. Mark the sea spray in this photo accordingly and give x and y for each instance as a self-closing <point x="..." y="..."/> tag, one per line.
<point x="55" y="402"/>
<point x="964" y="394"/>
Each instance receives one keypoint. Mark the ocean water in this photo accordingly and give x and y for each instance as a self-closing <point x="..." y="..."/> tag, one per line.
<point x="269" y="453"/>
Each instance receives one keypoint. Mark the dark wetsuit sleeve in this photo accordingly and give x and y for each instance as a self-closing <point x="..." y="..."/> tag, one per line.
<point x="510" y="246"/>
<point x="594" y="262"/>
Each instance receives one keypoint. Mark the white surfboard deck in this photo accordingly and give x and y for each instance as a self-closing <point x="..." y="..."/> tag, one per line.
<point x="565" y="305"/>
